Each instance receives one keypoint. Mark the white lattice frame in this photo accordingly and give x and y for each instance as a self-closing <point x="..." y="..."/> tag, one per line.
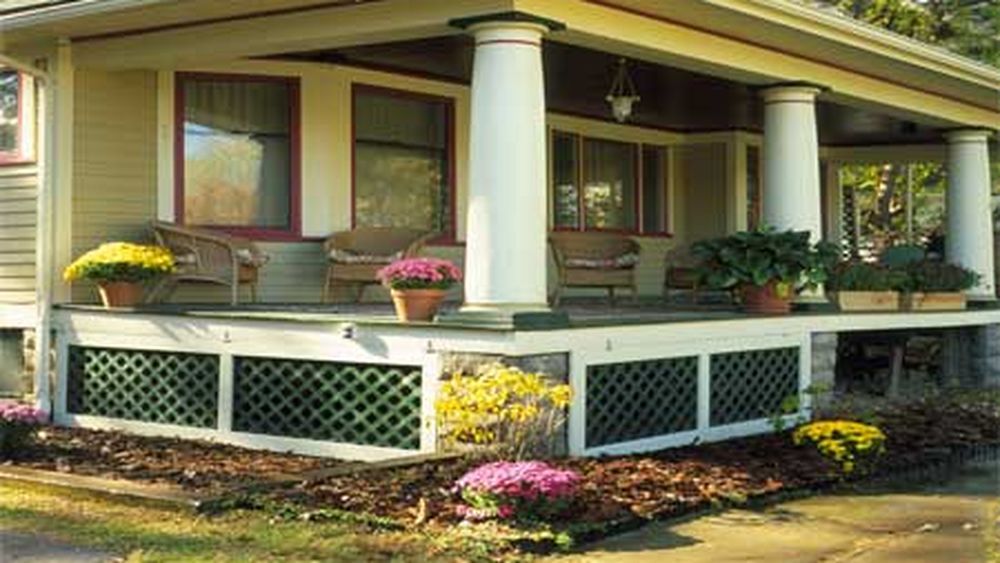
<point x="668" y="347"/>
<point x="420" y="345"/>
<point x="300" y="341"/>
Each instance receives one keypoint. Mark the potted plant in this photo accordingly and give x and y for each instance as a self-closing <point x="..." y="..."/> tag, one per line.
<point x="863" y="286"/>
<point x="120" y="269"/>
<point x="418" y="285"/>
<point x="937" y="286"/>
<point x="765" y="267"/>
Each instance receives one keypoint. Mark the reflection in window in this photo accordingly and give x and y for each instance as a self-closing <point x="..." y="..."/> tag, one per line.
<point x="401" y="161"/>
<point x="609" y="188"/>
<point x="753" y="188"/>
<point x="237" y="152"/>
<point x="10" y="111"/>
<point x="566" y="180"/>
<point x="654" y="189"/>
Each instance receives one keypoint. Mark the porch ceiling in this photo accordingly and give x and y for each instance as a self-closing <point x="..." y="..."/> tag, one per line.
<point x="577" y="80"/>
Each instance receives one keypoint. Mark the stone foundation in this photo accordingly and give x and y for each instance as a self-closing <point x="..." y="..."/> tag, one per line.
<point x="824" y="368"/>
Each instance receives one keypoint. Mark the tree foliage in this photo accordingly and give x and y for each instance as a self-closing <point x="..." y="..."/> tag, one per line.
<point x="968" y="27"/>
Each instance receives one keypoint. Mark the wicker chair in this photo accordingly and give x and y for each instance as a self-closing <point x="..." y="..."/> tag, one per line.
<point x="208" y="257"/>
<point x="680" y="274"/>
<point x="356" y="255"/>
<point x="605" y="260"/>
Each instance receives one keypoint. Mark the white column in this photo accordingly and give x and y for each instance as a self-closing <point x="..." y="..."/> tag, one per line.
<point x="791" y="159"/>
<point x="969" y="239"/>
<point x="506" y="249"/>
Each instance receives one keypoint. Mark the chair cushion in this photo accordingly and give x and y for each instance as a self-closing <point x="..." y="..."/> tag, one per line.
<point x="247" y="257"/>
<point x="341" y="256"/>
<point x="622" y="262"/>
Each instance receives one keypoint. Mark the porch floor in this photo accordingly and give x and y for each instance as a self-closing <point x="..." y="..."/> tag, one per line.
<point x="582" y="312"/>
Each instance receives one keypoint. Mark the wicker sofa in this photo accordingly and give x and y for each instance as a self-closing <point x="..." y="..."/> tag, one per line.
<point x="355" y="256"/>
<point x="601" y="260"/>
<point x="210" y="257"/>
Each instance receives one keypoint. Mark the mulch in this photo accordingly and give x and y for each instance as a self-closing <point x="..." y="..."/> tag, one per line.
<point x="675" y="481"/>
<point x="193" y="465"/>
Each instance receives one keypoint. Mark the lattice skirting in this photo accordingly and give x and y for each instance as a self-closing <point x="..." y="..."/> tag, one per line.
<point x="634" y="400"/>
<point x="142" y="385"/>
<point x="364" y="404"/>
<point x="627" y="402"/>
<point x="265" y="399"/>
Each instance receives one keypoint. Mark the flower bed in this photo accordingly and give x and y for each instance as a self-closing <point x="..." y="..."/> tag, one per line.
<point x="623" y="492"/>
<point x="197" y="466"/>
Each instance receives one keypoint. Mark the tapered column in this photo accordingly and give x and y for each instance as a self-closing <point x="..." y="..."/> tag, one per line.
<point x="506" y="249"/>
<point x="969" y="240"/>
<point x="791" y="159"/>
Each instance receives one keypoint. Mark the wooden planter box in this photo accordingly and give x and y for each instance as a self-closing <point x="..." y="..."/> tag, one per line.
<point x="867" y="300"/>
<point x="951" y="301"/>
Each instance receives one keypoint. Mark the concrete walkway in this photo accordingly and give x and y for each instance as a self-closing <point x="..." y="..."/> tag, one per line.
<point x="27" y="548"/>
<point x="958" y="522"/>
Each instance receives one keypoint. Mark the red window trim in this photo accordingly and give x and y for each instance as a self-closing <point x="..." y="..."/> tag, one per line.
<point x="445" y="239"/>
<point x="294" y="230"/>
<point x="17" y="156"/>
<point x="582" y="221"/>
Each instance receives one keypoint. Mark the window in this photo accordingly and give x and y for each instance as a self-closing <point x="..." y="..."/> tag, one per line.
<point x="606" y="185"/>
<point x="17" y="117"/>
<point x="754" y="209"/>
<point x="403" y="161"/>
<point x="237" y="140"/>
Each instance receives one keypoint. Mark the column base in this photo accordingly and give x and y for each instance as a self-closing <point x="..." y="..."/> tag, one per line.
<point x="506" y="317"/>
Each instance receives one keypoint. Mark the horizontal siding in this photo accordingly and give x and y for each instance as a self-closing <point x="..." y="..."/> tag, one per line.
<point x="114" y="160"/>
<point x="18" y="220"/>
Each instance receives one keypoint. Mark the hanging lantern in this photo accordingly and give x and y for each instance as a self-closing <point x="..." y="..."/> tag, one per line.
<point x="623" y="94"/>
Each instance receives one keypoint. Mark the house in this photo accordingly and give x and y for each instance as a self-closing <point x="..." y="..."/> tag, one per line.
<point x="487" y="122"/>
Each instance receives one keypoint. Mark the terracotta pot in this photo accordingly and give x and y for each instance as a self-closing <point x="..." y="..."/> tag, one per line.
<point x="867" y="300"/>
<point x="765" y="300"/>
<point x="417" y="304"/>
<point x="120" y="294"/>
<point x="934" y="301"/>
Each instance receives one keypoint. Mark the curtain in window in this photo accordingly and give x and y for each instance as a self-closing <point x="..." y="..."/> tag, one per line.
<point x="237" y="153"/>
<point x="10" y="109"/>
<point x="609" y="190"/>
<point x="401" y="168"/>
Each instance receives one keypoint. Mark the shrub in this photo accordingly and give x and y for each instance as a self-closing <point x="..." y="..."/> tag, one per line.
<point x="17" y="426"/>
<point x="850" y="445"/>
<point x="121" y="262"/>
<point x="525" y="490"/>
<point x="929" y="276"/>
<point x="512" y="413"/>
<point x="756" y="258"/>
<point x="864" y="276"/>
<point x="419" y="273"/>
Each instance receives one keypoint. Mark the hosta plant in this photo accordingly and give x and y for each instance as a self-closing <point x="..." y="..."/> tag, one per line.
<point x="524" y="490"/>
<point x="764" y="256"/>
<point x="18" y="423"/>
<point x="121" y="262"/>
<point x="852" y="446"/>
<point x="504" y="411"/>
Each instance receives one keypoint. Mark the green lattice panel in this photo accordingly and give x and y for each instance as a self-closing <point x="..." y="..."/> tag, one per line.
<point x="633" y="400"/>
<point x="366" y="404"/>
<point x="143" y="385"/>
<point x="752" y="385"/>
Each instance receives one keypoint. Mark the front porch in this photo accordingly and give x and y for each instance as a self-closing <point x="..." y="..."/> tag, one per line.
<point x="352" y="382"/>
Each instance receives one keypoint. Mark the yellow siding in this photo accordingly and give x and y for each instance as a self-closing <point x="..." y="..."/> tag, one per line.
<point x="114" y="160"/>
<point x="124" y="155"/>
<point x="18" y="193"/>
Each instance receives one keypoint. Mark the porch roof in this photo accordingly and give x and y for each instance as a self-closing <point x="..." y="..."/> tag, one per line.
<point x="118" y="32"/>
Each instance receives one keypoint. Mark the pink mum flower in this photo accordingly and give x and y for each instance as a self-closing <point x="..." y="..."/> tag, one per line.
<point x="419" y="273"/>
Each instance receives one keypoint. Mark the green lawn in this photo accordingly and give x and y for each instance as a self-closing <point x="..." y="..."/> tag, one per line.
<point x="142" y="532"/>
